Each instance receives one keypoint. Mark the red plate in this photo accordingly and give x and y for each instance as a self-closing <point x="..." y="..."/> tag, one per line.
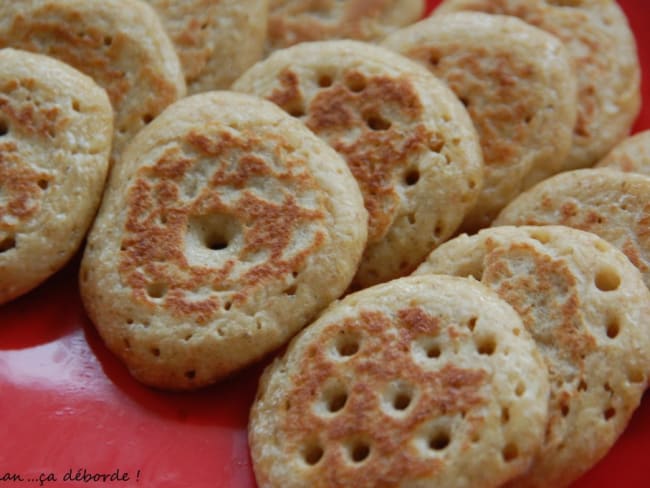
<point x="72" y="415"/>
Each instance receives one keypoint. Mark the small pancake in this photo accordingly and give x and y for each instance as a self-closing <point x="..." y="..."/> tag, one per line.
<point x="603" y="52"/>
<point x="588" y="310"/>
<point x="295" y="21"/>
<point x="55" y="138"/>
<point x="423" y="381"/>
<point x="225" y="229"/>
<point x="119" y="43"/>
<point x="216" y="40"/>
<point x="408" y="141"/>
<point x="611" y="204"/>
<point x="631" y="155"/>
<point x="517" y="84"/>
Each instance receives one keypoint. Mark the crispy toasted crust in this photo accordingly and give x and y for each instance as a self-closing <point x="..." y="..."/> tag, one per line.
<point x="426" y="381"/>
<point x="603" y="52"/>
<point x="587" y="308"/>
<point x="609" y="203"/>
<point x="295" y="21"/>
<point x="517" y="84"/>
<point x="631" y="155"/>
<point x="55" y="138"/>
<point x="216" y="40"/>
<point x="119" y="43"/>
<point x="225" y="229"/>
<point x="405" y="136"/>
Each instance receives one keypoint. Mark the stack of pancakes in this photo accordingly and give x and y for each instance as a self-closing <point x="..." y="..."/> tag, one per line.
<point x="410" y="208"/>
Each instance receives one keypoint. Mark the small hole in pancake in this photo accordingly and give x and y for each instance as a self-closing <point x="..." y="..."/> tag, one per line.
<point x="636" y="376"/>
<point x="582" y="386"/>
<point x="436" y="145"/>
<point x="312" y="454"/>
<point x="439" y="440"/>
<point x="356" y="83"/>
<point x="129" y="321"/>
<point x="296" y="111"/>
<point x="378" y="123"/>
<point x="108" y="41"/>
<point x="204" y="26"/>
<point x="609" y="413"/>
<point x="43" y="184"/>
<point x="336" y="400"/>
<point x="412" y="176"/>
<point x="434" y="59"/>
<point x="607" y="279"/>
<point x="156" y="290"/>
<point x="564" y="409"/>
<point x="190" y="375"/>
<point x="76" y="106"/>
<point x="520" y="390"/>
<point x="216" y="243"/>
<point x="227" y="306"/>
<point x="402" y="400"/>
<point x="464" y="101"/>
<point x="347" y="345"/>
<point x="213" y="231"/>
<point x="471" y="323"/>
<point x="486" y="345"/>
<point x="433" y="350"/>
<point x="188" y="337"/>
<point x="324" y="81"/>
<point x="411" y="218"/>
<point x="359" y="451"/>
<point x="510" y="452"/>
<point x="7" y="244"/>
<point x="505" y="415"/>
<point x="147" y="118"/>
<point x="613" y="328"/>
<point x="291" y="291"/>
<point x="437" y="231"/>
<point x="4" y="128"/>
<point x="155" y="351"/>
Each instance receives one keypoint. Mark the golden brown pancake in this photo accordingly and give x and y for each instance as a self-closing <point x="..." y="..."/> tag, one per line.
<point x="407" y="139"/>
<point x="518" y="87"/>
<point x="121" y="44"/>
<point x="425" y="381"/>
<point x="603" y="52"/>
<point x="295" y="21"/>
<point x="226" y="228"/>
<point x="587" y="308"/>
<point x="55" y="139"/>
<point x="216" y="40"/>
<point x="630" y="155"/>
<point x="612" y="204"/>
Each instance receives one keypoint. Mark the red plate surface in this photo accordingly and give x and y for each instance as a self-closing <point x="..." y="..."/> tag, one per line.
<point x="72" y="416"/>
